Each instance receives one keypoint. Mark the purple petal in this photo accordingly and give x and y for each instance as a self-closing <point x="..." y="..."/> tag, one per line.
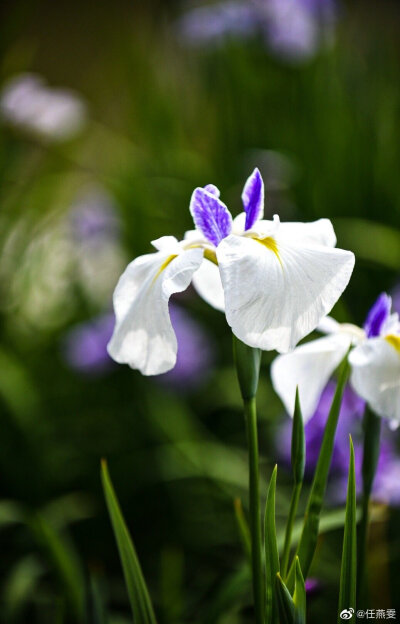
<point x="211" y="188"/>
<point x="253" y="198"/>
<point x="377" y="315"/>
<point x="210" y="215"/>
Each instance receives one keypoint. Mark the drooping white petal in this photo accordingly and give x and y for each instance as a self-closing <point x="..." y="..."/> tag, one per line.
<point x="276" y="293"/>
<point x="207" y="282"/>
<point x="375" y="375"/>
<point x="328" y="325"/>
<point x="143" y="335"/>
<point x="319" y="232"/>
<point x="309" y="367"/>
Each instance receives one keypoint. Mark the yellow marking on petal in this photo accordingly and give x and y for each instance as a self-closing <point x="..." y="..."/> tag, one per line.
<point x="394" y="341"/>
<point x="164" y="266"/>
<point x="270" y="243"/>
<point x="209" y="254"/>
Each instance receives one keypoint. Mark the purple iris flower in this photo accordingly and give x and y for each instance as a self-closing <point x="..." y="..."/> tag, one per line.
<point x="212" y="23"/>
<point x="195" y="357"/>
<point x="292" y="29"/>
<point x="85" y="346"/>
<point x="378" y="315"/>
<point x="387" y="482"/>
<point x="93" y="219"/>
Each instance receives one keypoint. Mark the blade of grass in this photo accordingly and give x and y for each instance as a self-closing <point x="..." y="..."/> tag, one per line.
<point x="299" y="596"/>
<point x="142" y="608"/>
<point x="347" y="594"/>
<point x="271" y="551"/>
<point x="243" y="527"/>
<point x="309" y="535"/>
<point x="285" y="602"/>
<point x="298" y="464"/>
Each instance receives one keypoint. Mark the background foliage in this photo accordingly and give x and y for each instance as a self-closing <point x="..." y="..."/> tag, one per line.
<point x="162" y="118"/>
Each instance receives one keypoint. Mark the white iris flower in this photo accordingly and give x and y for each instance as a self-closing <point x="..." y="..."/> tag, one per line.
<point x="274" y="280"/>
<point x="374" y="361"/>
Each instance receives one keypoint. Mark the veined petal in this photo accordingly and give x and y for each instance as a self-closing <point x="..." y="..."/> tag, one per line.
<point x="376" y="375"/>
<point x="210" y="215"/>
<point x="309" y="367"/>
<point x="253" y="199"/>
<point x="319" y="232"/>
<point x="378" y="315"/>
<point x="276" y="293"/>
<point x="214" y="190"/>
<point x="143" y="335"/>
<point x="207" y="282"/>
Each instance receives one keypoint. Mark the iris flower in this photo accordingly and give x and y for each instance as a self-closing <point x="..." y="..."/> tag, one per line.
<point x="374" y="361"/>
<point x="274" y="280"/>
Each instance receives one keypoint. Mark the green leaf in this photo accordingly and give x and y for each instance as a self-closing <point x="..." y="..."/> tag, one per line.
<point x="347" y="594"/>
<point x="299" y="596"/>
<point x="298" y="443"/>
<point x="243" y="527"/>
<point x="95" y="609"/>
<point x="61" y="553"/>
<point x="142" y="608"/>
<point x="285" y="602"/>
<point x="309" y="535"/>
<point x="298" y="464"/>
<point x="271" y="550"/>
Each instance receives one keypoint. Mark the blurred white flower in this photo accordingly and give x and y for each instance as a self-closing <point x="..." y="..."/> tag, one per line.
<point x="51" y="114"/>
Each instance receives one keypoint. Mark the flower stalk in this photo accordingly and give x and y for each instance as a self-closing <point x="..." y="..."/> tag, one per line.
<point x="247" y="362"/>
<point x="372" y="428"/>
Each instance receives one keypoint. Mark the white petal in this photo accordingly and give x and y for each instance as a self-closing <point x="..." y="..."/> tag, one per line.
<point x="319" y="232"/>
<point x="328" y="325"/>
<point x="275" y="298"/>
<point x="143" y="335"/>
<point x="309" y="367"/>
<point x="376" y="376"/>
<point x="166" y="243"/>
<point x="207" y="282"/>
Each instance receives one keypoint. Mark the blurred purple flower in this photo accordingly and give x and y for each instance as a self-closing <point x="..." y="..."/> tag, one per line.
<point x="292" y="29"/>
<point x="313" y="586"/>
<point x="210" y="24"/>
<point x="51" y="114"/>
<point x="195" y="358"/>
<point x="93" y="218"/>
<point x="85" y="346"/>
<point x="387" y="482"/>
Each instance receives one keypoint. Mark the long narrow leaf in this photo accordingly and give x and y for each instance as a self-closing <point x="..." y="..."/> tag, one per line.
<point x="347" y="594"/>
<point x="309" y="536"/>
<point x="138" y="594"/>
<point x="299" y="596"/>
<point x="298" y="465"/>
<point x="285" y="602"/>
<point x="271" y="551"/>
<point x="243" y="527"/>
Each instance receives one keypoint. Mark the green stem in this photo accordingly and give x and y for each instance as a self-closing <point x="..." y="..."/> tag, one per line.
<point x="289" y="527"/>
<point x="255" y="515"/>
<point x="372" y="427"/>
